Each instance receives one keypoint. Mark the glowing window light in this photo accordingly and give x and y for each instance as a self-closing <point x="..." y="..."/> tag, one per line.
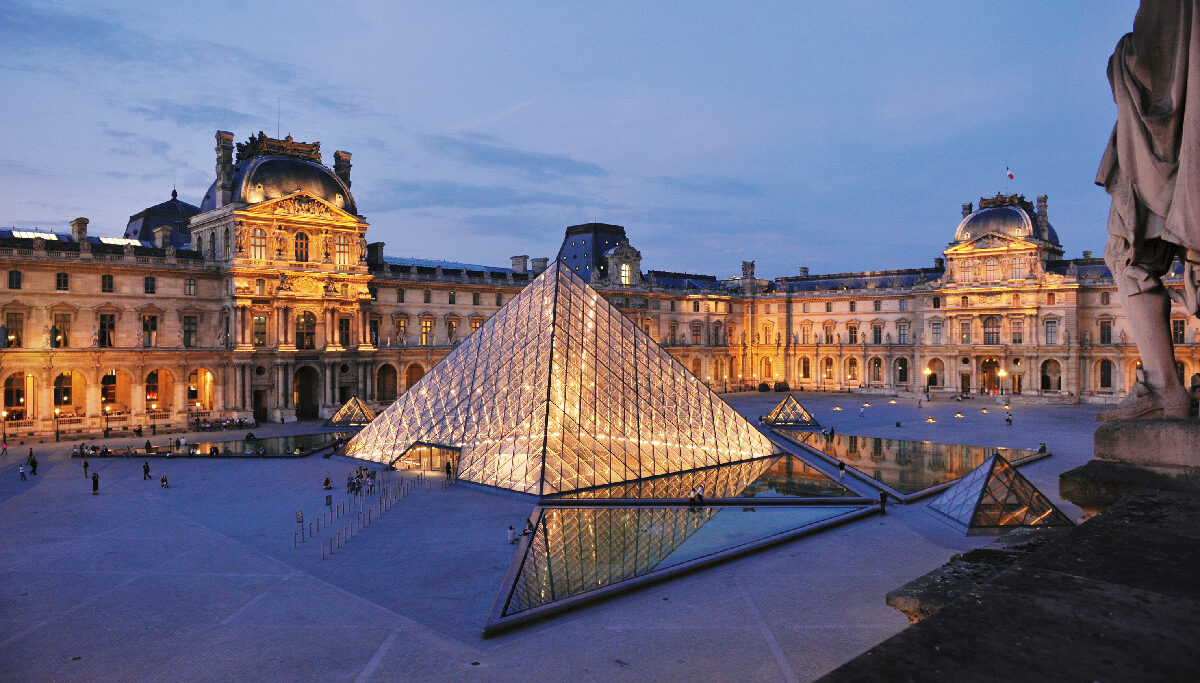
<point x="31" y="235"/>
<point x="121" y="240"/>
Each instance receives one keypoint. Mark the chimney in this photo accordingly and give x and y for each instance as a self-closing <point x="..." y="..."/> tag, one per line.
<point x="375" y="254"/>
<point x="520" y="264"/>
<point x="224" y="168"/>
<point x="1087" y="254"/>
<point x="939" y="262"/>
<point x="1042" y="219"/>
<point x="539" y="264"/>
<point x="79" y="229"/>
<point x="803" y="271"/>
<point x="967" y="209"/>
<point x="341" y="166"/>
<point x="162" y="235"/>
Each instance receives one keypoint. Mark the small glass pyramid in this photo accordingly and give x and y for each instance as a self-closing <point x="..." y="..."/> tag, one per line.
<point x="995" y="497"/>
<point x="560" y="391"/>
<point x="789" y="413"/>
<point x="354" y="413"/>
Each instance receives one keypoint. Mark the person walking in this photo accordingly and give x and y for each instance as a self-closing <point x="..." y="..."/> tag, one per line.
<point x="95" y="483"/>
<point x="882" y="503"/>
<point x="841" y="469"/>
<point x="146" y="470"/>
<point x="1008" y="419"/>
<point x="512" y="535"/>
<point x="21" y="469"/>
<point x="862" y="412"/>
<point x="449" y="471"/>
<point x="85" y="466"/>
<point x="32" y="463"/>
<point x="918" y="404"/>
<point x="4" y="448"/>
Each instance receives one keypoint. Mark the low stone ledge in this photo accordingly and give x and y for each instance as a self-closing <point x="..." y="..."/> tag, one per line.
<point x="1169" y="447"/>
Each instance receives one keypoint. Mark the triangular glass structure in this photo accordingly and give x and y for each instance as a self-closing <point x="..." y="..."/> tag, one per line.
<point x="354" y="413"/>
<point x="789" y="413"/>
<point x="995" y="497"/>
<point x="560" y="391"/>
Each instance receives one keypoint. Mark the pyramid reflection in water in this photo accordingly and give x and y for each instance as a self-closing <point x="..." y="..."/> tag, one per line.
<point x="560" y="391"/>
<point x="995" y="497"/>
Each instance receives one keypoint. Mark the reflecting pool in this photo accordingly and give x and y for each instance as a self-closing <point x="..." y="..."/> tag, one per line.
<point x="908" y="467"/>
<point x="276" y="445"/>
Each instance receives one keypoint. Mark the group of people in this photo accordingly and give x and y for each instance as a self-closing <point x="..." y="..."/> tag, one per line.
<point x="696" y="497"/>
<point x="360" y="480"/>
<point x="30" y="462"/>
<point x="513" y="537"/>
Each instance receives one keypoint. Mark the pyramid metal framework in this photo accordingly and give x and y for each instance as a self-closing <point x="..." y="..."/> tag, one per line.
<point x="789" y="413"/>
<point x="995" y="497"/>
<point x="354" y="413"/>
<point x="560" y="391"/>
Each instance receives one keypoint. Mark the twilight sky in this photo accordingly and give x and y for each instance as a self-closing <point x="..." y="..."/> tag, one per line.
<point x="837" y="135"/>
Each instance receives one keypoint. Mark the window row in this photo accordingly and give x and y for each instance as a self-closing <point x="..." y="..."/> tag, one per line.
<point x="300" y="248"/>
<point x="62" y="283"/>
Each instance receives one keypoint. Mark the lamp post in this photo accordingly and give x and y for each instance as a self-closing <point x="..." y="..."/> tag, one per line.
<point x="1003" y="373"/>
<point x="56" y="413"/>
<point x="107" y="408"/>
<point x="153" y="416"/>
<point x="4" y="421"/>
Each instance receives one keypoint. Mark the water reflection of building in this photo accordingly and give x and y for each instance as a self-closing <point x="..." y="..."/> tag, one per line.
<point x="266" y="300"/>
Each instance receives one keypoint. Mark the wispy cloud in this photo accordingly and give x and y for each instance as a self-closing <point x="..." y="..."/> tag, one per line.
<point x="201" y="115"/>
<point x="403" y="194"/>
<point x="708" y="185"/>
<point x="487" y="152"/>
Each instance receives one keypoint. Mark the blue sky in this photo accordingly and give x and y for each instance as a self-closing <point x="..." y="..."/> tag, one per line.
<point x="839" y="136"/>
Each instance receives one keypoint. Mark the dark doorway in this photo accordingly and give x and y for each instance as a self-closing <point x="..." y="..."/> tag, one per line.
<point x="307" y="393"/>
<point x="966" y="382"/>
<point x="260" y="405"/>
<point x="989" y="379"/>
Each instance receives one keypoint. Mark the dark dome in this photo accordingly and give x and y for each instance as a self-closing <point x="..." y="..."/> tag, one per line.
<point x="1013" y="221"/>
<point x="262" y="178"/>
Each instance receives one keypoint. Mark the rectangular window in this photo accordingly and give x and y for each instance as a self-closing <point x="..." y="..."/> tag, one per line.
<point x="402" y="331"/>
<point x="696" y="307"/>
<point x="476" y="324"/>
<point x="937" y="302"/>
<point x="877" y="305"/>
<point x="964" y="333"/>
<point x="904" y="304"/>
<point x="902" y="332"/>
<point x="426" y="332"/>
<point x="499" y="299"/>
<point x="935" y="332"/>
<point x="853" y="306"/>
<point x="106" y="283"/>
<point x="428" y="296"/>
<point x="400" y="295"/>
<point x="14" y="279"/>
<point x="189" y="286"/>
<point x="149" y="285"/>
<point x="1051" y="331"/>
<point x="474" y="298"/>
<point x="805" y="308"/>
<point x="260" y="330"/>
<point x="191" y="331"/>
<point x="62" y="282"/>
<point x="1105" y="331"/>
<point x="877" y="334"/>
<point x="453" y="297"/>
<point x="14" y="329"/>
<point x="344" y="332"/>
<point x="1177" y="327"/>
<point x="1018" y="332"/>
<point x="373" y="332"/>
<point x="829" y="307"/>
<point x="829" y="335"/>
<point x="149" y="330"/>
<point x="60" y="334"/>
<point x="106" y="335"/>
<point x="852" y="332"/>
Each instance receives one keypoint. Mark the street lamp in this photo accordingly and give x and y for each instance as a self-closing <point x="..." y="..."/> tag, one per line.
<point x="107" y="408"/>
<point x="4" y="422"/>
<point x="56" y="412"/>
<point x="1003" y="373"/>
<point x="153" y="416"/>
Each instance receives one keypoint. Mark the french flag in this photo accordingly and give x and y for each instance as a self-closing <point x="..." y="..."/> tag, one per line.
<point x="1008" y="172"/>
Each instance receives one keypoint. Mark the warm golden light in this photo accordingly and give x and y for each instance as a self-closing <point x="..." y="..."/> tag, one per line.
<point x="927" y="372"/>
<point x="837" y="407"/>
<point x="893" y="401"/>
<point x="958" y="415"/>
<point x="930" y="419"/>
<point x="983" y="410"/>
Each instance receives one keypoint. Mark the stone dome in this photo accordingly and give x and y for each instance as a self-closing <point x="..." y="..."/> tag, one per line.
<point x="1010" y="216"/>
<point x="262" y="178"/>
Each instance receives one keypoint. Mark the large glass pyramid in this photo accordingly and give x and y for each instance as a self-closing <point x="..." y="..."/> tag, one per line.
<point x="995" y="497"/>
<point x="354" y="413"/>
<point x="789" y="413"/>
<point x="560" y="391"/>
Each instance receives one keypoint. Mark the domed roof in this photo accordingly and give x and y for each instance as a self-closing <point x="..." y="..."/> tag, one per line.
<point x="262" y="178"/>
<point x="1011" y="216"/>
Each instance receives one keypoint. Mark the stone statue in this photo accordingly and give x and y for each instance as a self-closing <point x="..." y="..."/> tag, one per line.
<point x="1151" y="168"/>
<point x="280" y="241"/>
<point x="284" y="285"/>
<point x="362" y="248"/>
<point x="45" y="336"/>
<point x="95" y="335"/>
<point x="220" y="337"/>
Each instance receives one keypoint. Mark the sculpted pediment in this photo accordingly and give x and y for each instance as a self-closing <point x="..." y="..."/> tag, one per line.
<point x="989" y="241"/>
<point x="302" y="205"/>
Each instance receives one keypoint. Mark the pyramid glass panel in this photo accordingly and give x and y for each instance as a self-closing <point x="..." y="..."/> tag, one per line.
<point x="995" y="497"/>
<point x="354" y="413"/>
<point x="789" y="413"/>
<point x="559" y="391"/>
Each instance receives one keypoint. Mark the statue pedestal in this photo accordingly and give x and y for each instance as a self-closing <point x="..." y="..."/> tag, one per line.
<point x="1134" y="454"/>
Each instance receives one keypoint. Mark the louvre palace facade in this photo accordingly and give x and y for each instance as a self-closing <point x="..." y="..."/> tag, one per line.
<point x="268" y="300"/>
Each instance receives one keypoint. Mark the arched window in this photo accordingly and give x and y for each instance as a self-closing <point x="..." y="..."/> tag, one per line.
<point x="226" y="251"/>
<point x="991" y="330"/>
<point x="258" y="244"/>
<point x="1106" y="371"/>
<point x="14" y="396"/>
<point x="805" y="368"/>
<point x="827" y="371"/>
<point x="108" y="387"/>
<point x="1018" y="268"/>
<point x="341" y="253"/>
<point x="901" y="371"/>
<point x="992" y="270"/>
<point x="876" y="370"/>
<point x="767" y="370"/>
<point x="152" y="387"/>
<point x="1051" y="376"/>
<point x="62" y="389"/>
<point x="696" y="367"/>
<point x="301" y="247"/>
<point x="626" y="272"/>
<point x="852" y="369"/>
<point x="964" y="301"/>
<point x="306" y="331"/>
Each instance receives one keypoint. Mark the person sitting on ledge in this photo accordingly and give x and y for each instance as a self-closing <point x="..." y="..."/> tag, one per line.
<point x="328" y="484"/>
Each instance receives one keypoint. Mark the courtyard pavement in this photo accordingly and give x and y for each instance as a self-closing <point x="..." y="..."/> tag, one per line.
<point x="201" y="581"/>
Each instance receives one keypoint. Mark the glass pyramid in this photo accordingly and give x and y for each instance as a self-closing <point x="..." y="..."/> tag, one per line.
<point x="354" y="413"/>
<point x="994" y="497"/>
<point x="560" y="391"/>
<point x="789" y="413"/>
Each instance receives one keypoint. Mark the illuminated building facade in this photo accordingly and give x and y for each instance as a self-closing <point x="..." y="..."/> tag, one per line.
<point x="266" y="300"/>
